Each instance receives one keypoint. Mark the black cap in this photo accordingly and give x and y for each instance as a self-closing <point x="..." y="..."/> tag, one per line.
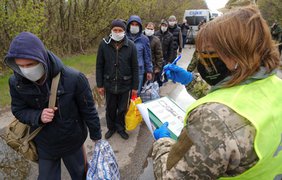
<point x="118" y="23"/>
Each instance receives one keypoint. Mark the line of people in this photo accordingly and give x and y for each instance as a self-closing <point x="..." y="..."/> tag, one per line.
<point x="127" y="58"/>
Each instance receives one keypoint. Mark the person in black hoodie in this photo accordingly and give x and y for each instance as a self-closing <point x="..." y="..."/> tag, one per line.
<point x="175" y="30"/>
<point x="66" y="125"/>
<point x="117" y="76"/>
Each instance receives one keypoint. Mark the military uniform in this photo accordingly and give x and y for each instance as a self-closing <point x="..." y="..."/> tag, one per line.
<point x="198" y="87"/>
<point x="225" y="149"/>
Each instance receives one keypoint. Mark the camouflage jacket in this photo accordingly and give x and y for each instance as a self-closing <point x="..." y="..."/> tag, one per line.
<point x="222" y="146"/>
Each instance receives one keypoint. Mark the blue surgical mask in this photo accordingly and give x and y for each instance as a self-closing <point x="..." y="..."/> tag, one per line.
<point x="134" y="29"/>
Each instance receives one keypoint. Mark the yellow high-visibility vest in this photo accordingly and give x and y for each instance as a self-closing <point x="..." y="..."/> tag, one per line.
<point x="261" y="103"/>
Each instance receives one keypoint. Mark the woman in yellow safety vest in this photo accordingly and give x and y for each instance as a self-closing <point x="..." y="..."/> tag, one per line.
<point x="234" y="132"/>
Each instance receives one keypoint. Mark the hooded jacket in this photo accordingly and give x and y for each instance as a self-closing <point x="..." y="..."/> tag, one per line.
<point x="142" y="45"/>
<point x="76" y="109"/>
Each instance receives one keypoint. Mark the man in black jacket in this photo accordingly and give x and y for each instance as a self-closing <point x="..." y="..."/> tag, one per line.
<point x="166" y="39"/>
<point x="66" y="125"/>
<point x="117" y="76"/>
<point x="177" y="35"/>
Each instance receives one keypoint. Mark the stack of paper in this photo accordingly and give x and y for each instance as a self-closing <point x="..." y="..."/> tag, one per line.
<point x="169" y="109"/>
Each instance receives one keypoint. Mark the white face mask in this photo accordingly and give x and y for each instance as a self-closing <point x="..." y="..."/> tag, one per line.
<point x="33" y="73"/>
<point x="172" y="23"/>
<point x="134" y="29"/>
<point x="163" y="28"/>
<point x="149" y="32"/>
<point x="117" y="36"/>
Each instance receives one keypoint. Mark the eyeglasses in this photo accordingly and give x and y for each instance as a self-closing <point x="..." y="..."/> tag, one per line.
<point x="208" y="58"/>
<point x="207" y="55"/>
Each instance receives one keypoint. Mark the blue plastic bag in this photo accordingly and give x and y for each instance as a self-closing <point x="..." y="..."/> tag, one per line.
<point x="103" y="165"/>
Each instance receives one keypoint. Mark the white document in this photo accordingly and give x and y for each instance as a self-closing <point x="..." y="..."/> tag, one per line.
<point x="145" y="115"/>
<point x="167" y="111"/>
<point x="171" y="109"/>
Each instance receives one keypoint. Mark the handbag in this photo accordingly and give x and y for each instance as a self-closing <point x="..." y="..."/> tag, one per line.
<point x="18" y="135"/>
<point x="103" y="165"/>
<point x="150" y="91"/>
<point x="133" y="116"/>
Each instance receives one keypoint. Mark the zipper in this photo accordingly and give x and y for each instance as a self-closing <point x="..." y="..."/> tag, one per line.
<point x="59" y="109"/>
<point x="116" y="66"/>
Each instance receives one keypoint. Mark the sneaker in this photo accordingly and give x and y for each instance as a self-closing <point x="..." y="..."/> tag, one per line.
<point x="123" y="134"/>
<point x="109" y="134"/>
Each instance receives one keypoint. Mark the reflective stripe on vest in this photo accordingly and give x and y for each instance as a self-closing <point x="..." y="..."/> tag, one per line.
<point x="261" y="103"/>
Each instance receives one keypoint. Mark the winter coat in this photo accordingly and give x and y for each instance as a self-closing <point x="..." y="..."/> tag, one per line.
<point x="166" y="39"/>
<point x="142" y="45"/>
<point x="184" y="29"/>
<point x="117" y="68"/>
<point x="157" y="54"/>
<point x="177" y="37"/>
<point x="76" y="109"/>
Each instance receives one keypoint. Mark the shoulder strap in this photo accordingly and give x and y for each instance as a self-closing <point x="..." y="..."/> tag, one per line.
<point x="54" y="87"/>
<point x="179" y="149"/>
<point x="52" y="102"/>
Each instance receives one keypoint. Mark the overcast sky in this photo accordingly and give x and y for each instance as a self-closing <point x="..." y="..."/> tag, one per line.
<point x="216" y="4"/>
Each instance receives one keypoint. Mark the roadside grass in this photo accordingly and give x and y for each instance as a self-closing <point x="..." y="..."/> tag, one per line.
<point x="4" y="91"/>
<point x="83" y="63"/>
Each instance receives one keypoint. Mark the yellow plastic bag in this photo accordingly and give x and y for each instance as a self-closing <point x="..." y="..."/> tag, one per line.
<point x="133" y="116"/>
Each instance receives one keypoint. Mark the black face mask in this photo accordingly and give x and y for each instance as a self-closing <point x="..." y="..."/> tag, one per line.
<point x="212" y="69"/>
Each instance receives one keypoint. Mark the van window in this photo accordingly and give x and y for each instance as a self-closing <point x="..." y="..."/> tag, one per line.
<point x="194" y="20"/>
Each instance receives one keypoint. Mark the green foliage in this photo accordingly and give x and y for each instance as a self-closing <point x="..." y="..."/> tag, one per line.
<point x="74" y="26"/>
<point x="18" y="16"/>
<point x="4" y="91"/>
<point x="271" y="10"/>
<point x="83" y="63"/>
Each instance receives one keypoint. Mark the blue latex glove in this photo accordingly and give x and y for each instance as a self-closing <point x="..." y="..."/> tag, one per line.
<point x="178" y="74"/>
<point x="162" y="131"/>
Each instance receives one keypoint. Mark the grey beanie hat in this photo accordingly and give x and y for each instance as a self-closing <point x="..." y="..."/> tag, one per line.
<point x="172" y="18"/>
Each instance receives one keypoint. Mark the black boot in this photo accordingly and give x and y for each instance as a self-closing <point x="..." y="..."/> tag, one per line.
<point x="109" y="134"/>
<point x="123" y="134"/>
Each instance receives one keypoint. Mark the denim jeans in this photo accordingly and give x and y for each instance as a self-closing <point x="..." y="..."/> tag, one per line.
<point x="141" y="77"/>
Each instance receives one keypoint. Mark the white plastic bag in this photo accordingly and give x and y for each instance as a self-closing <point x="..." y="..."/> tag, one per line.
<point x="150" y="91"/>
<point x="103" y="165"/>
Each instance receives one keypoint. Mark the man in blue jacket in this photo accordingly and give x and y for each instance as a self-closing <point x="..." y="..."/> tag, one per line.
<point x="65" y="128"/>
<point x="142" y="43"/>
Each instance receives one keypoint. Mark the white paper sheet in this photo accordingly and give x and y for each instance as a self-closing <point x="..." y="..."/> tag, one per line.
<point x="169" y="109"/>
<point x="145" y="115"/>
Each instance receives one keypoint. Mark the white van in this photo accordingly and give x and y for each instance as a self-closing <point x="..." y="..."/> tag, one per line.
<point x="193" y="18"/>
<point x="215" y="14"/>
